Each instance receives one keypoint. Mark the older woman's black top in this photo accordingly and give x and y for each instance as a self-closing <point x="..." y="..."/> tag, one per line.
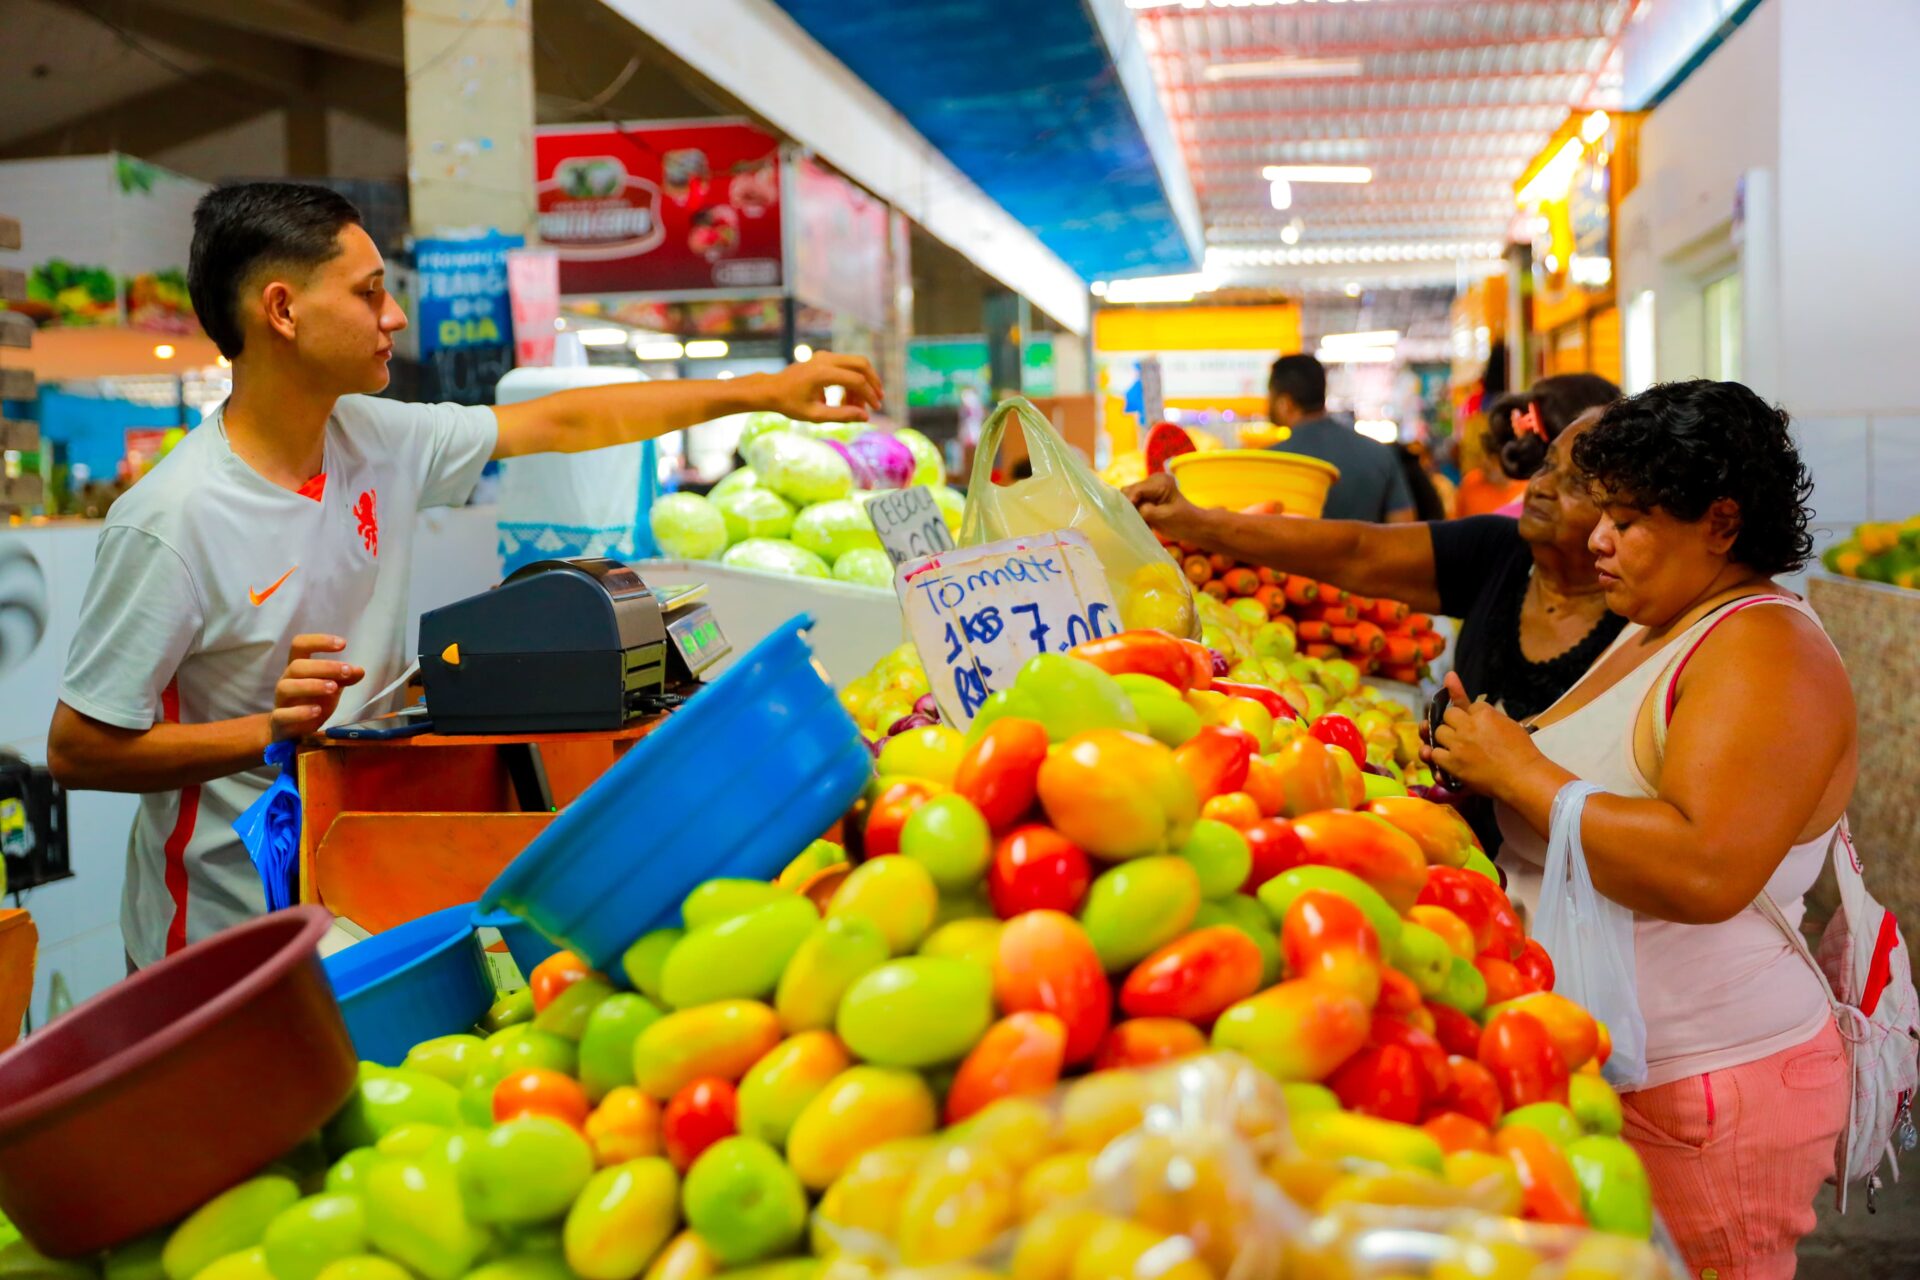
<point x="1481" y="566"/>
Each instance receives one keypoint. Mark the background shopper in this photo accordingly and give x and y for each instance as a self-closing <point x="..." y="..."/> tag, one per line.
<point x="1371" y="485"/>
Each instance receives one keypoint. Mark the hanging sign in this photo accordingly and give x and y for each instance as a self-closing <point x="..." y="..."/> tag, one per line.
<point x="978" y="613"/>
<point x="910" y="524"/>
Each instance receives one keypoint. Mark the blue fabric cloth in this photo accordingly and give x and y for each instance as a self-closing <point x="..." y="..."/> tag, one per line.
<point x="270" y="830"/>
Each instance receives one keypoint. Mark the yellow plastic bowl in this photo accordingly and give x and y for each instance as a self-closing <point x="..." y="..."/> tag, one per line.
<point x="1240" y="478"/>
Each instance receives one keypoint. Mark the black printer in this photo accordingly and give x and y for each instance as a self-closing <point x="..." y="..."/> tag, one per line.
<point x="563" y="645"/>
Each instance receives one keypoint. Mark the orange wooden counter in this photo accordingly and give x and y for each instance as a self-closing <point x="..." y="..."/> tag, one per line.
<point x="394" y="829"/>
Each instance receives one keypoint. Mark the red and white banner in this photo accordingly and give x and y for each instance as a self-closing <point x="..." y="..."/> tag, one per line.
<point x="660" y="207"/>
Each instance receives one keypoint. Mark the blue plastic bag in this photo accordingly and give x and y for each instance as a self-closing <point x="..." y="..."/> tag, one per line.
<point x="270" y="830"/>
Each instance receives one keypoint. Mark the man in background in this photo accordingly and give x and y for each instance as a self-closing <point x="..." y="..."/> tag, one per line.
<point x="1371" y="484"/>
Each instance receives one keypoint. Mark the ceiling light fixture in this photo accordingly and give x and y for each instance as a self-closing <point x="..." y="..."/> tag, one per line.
<point x="802" y="353"/>
<point x="1553" y="178"/>
<point x="1365" y="338"/>
<point x="1347" y="173"/>
<point x="1385" y="430"/>
<point x="164" y="351"/>
<point x="601" y="337"/>
<point x="1283" y="69"/>
<point x="1595" y="127"/>
<point x="706" y="349"/>
<point x="1171" y="288"/>
<point x="1290" y="234"/>
<point x="658" y="349"/>
<point x="1280" y="193"/>
<point x="1354" y="355"/>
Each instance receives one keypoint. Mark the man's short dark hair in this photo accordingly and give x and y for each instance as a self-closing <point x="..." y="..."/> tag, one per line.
<point x="241" y="228"/>
<point x="1303" y="379"/>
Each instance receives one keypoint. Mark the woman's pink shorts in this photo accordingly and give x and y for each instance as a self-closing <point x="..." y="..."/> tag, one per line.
<point x="1737" y="1157"/>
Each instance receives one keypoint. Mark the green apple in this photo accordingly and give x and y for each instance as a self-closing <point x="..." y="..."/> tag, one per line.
<point x="567" y="1013"/>
<point x="948" y="836"/>
<point x="450" y="1058"/>
<point x="1381" y="785"/>
<point x="1480" y="862"/>
<point x="235" y="1219"/>
<point x="1614" y="1192"/>
<point x="1595" y="1105"/>
<point x="644" y="959"/>
<point x="744" y="1201"/>
<point x="385" y="1098"/>
<point x="1247" y="671"/>
<point x="525" y="1170"/>
<point x="1014" y="703"/>
<point x="1274" y="641"/>
<point x="349" y="1172"/>
<point x="606" y="1047"/>
<point x="1465" y="990"/>
<point x="712" y="901"/>
<point x="415" y="1216"/>
<point x="1070" y="696"/>
<point x="932" y="751"/>
<point x="1550" y="1118"/>
<point x="1423" y="956"/>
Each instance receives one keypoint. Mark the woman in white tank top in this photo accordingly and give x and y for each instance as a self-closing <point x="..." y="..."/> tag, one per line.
<point x="1721" y="725"/>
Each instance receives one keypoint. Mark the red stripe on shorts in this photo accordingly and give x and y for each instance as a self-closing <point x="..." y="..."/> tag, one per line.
<point x="180" y="837"/>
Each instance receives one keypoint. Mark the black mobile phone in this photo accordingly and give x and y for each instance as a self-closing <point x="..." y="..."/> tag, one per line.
<point x="402" y="724"/>
<point x="1436" y="716"/>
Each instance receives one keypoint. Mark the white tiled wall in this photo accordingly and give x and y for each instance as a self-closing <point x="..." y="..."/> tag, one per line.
<point x="1836" y="452"/>
<point x="1893" y="446"/>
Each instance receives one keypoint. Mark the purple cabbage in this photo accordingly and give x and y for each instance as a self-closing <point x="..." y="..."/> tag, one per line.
<point x="1220" y="664"/>
<point x="862" y="476"/>
<point x="887" y="461"/>
<point x="926" y="706"/>
<point x="913" y="720"/>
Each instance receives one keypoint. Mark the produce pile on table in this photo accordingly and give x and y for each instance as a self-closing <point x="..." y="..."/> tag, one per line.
<point x="799" y="505"/>
<point x="1879" y="551"/>
<point x="932" y="1057"/>
<point x="1260" y="663"/>
<point x="1377" y="636"/>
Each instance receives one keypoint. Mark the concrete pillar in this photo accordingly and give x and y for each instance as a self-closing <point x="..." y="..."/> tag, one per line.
<point x="469" y="66"/>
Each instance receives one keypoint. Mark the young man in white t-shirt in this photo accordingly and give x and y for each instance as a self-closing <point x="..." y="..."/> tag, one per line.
<point x="261" y="569"/>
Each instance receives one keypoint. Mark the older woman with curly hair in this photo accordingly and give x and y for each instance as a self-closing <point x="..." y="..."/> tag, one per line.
<point x="1720" y="725"/>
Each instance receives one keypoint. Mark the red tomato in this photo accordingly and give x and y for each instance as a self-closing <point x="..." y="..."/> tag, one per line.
<point x="1318" y="922"/>
<point x="1455" y="1132"/>
<point x="1425" y="1049"/>
<point x="1479" y="904"/>
<point x="1456" y="1032"/>
<point x="1000" y="771"/>
<point x="1276" y="847"/>
<point x="1384" y="1081"/>
<point x="702" y="1113"/>
<point x="555" y="974"/>
<point x="1216" y="759"/>
<point x="1140" y="1042"/>
<point x="890" y="811"/>
<point x="1549" y="1191"/>
<point x="540" y="1092"/>
<point x="1504" y="981"/>
<point x="1194" y="977"/>
<point x="1399" y="998"/>
<point x="1470" y="1091"/>
<point x="1517" y="1049"/>
<point x="1019" y="1055"/>
<point x="1035" y="868"/>
<point x="1046" y="963"/>
<point x="1337" y="731"/>
<point x="1535" y="965"/>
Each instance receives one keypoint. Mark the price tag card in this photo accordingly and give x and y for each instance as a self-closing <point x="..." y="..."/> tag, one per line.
<point x="977" y="614"/>
<point x="909" y="524"/>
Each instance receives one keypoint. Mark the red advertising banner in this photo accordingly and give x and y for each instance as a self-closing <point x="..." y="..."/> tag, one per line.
<point x="660" y="207"/>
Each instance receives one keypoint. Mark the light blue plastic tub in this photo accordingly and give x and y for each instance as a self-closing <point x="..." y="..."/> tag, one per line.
<point x="424" y="979"/>
<point x="735" y="783"/>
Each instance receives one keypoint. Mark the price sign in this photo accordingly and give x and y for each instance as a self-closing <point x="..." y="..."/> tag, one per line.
<point x="909" y="524"/>
<point x="977" y="614"/>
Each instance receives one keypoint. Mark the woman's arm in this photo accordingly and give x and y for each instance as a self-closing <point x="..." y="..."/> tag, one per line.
<point x="1763" y="721"/>
<point x="1394" y="561"/>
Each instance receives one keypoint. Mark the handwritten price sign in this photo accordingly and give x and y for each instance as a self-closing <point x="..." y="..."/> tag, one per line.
<point x="909" y="524"/>
<point x="977" y="614"/>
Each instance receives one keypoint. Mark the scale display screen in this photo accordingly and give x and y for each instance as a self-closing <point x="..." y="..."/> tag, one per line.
<point x="696" y="633"/>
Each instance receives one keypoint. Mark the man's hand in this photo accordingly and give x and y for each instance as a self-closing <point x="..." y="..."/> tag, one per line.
<point x="1165" y="508"/>
<point x="309" y="690"/>
<point x="800" y="390"/>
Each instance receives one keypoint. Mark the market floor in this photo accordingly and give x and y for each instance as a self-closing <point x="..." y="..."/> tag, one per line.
<point x="1862" y="1246"/>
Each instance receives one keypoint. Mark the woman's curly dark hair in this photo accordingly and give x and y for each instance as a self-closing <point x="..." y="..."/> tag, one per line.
<point x="1682" y="446"/>
<point x="1560" y="399"/>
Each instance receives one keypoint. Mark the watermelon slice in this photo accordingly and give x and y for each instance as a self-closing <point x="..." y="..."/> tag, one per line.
<point x="1165" y="441"/>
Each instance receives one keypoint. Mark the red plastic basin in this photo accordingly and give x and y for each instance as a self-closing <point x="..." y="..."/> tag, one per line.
<point x="171" y="1086"/>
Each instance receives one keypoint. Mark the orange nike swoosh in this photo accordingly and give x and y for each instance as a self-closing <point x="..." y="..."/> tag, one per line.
<point x="260" y="597"/>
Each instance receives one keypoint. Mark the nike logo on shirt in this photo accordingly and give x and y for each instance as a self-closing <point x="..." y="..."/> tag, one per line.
<point x="260" y="597"/>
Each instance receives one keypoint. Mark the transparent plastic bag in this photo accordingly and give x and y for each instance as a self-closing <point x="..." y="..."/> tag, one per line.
<point x="1590" y="938"/>
<point x="1064" y="493"/>
<point x="1377" y="1242"/>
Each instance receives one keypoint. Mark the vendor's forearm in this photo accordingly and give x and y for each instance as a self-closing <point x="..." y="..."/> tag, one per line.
<point x="599" y="417"/>
<point x="1371" y="559"/>
<point x="88" y="755"/>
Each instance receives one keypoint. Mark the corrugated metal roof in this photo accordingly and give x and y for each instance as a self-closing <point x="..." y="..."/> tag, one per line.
<point x="1445" y="101"/>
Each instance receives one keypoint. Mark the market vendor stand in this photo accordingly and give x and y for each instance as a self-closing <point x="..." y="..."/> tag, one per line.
<point x="394" y="829"/>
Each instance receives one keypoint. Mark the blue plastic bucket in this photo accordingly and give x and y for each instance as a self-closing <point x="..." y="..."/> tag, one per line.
<point x="424" y="979"/>
<point x="526" y="944"/>
<point x="735" y="783"/>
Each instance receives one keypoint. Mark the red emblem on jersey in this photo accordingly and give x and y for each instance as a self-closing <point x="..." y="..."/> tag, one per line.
<point x="369" y="522"/>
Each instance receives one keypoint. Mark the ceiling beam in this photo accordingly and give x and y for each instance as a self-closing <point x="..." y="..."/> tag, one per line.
<point x="166" y="116"/>
<point x="1451" y="43"/>
<point x="373" y="33"/>
<point x="270" y="63"/>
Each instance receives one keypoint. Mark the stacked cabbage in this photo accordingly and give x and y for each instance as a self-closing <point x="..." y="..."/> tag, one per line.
<point x="799" y="505"/>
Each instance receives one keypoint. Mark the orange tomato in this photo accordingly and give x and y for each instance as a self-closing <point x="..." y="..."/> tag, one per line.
<point x="625" y="1126"/>
<point x="538" y="1091"/>
<point x="555" y="974"/>
<point x="1019" y="1055"/>
<point x="1264" y="785"/>
<point x="1046" y="963"/>
<point x="1455" y="1132"/>
<point x="890" y="812"/>
<point x="1140" y="1042"/>
<point x="1549" y="1190"/>
<point x="1194" y="977"/>
<point x="1235" y="808"/>
<point x="1000" y="773"/>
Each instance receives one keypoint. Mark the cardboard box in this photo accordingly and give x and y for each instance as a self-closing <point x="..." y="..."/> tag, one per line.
<point x="16" y="384"/>
<point x="9" y="233"/>
<point x="21" y="491"/>
<point x="15" y="330"/>
<point x="21" y="436"/>
<point x="13" y="284"/>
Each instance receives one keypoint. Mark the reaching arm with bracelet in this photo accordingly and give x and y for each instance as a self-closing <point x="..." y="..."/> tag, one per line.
<point x="1390" y="560"/>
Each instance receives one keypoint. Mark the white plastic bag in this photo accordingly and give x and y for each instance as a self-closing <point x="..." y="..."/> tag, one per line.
<point x="1590" y="938"/>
